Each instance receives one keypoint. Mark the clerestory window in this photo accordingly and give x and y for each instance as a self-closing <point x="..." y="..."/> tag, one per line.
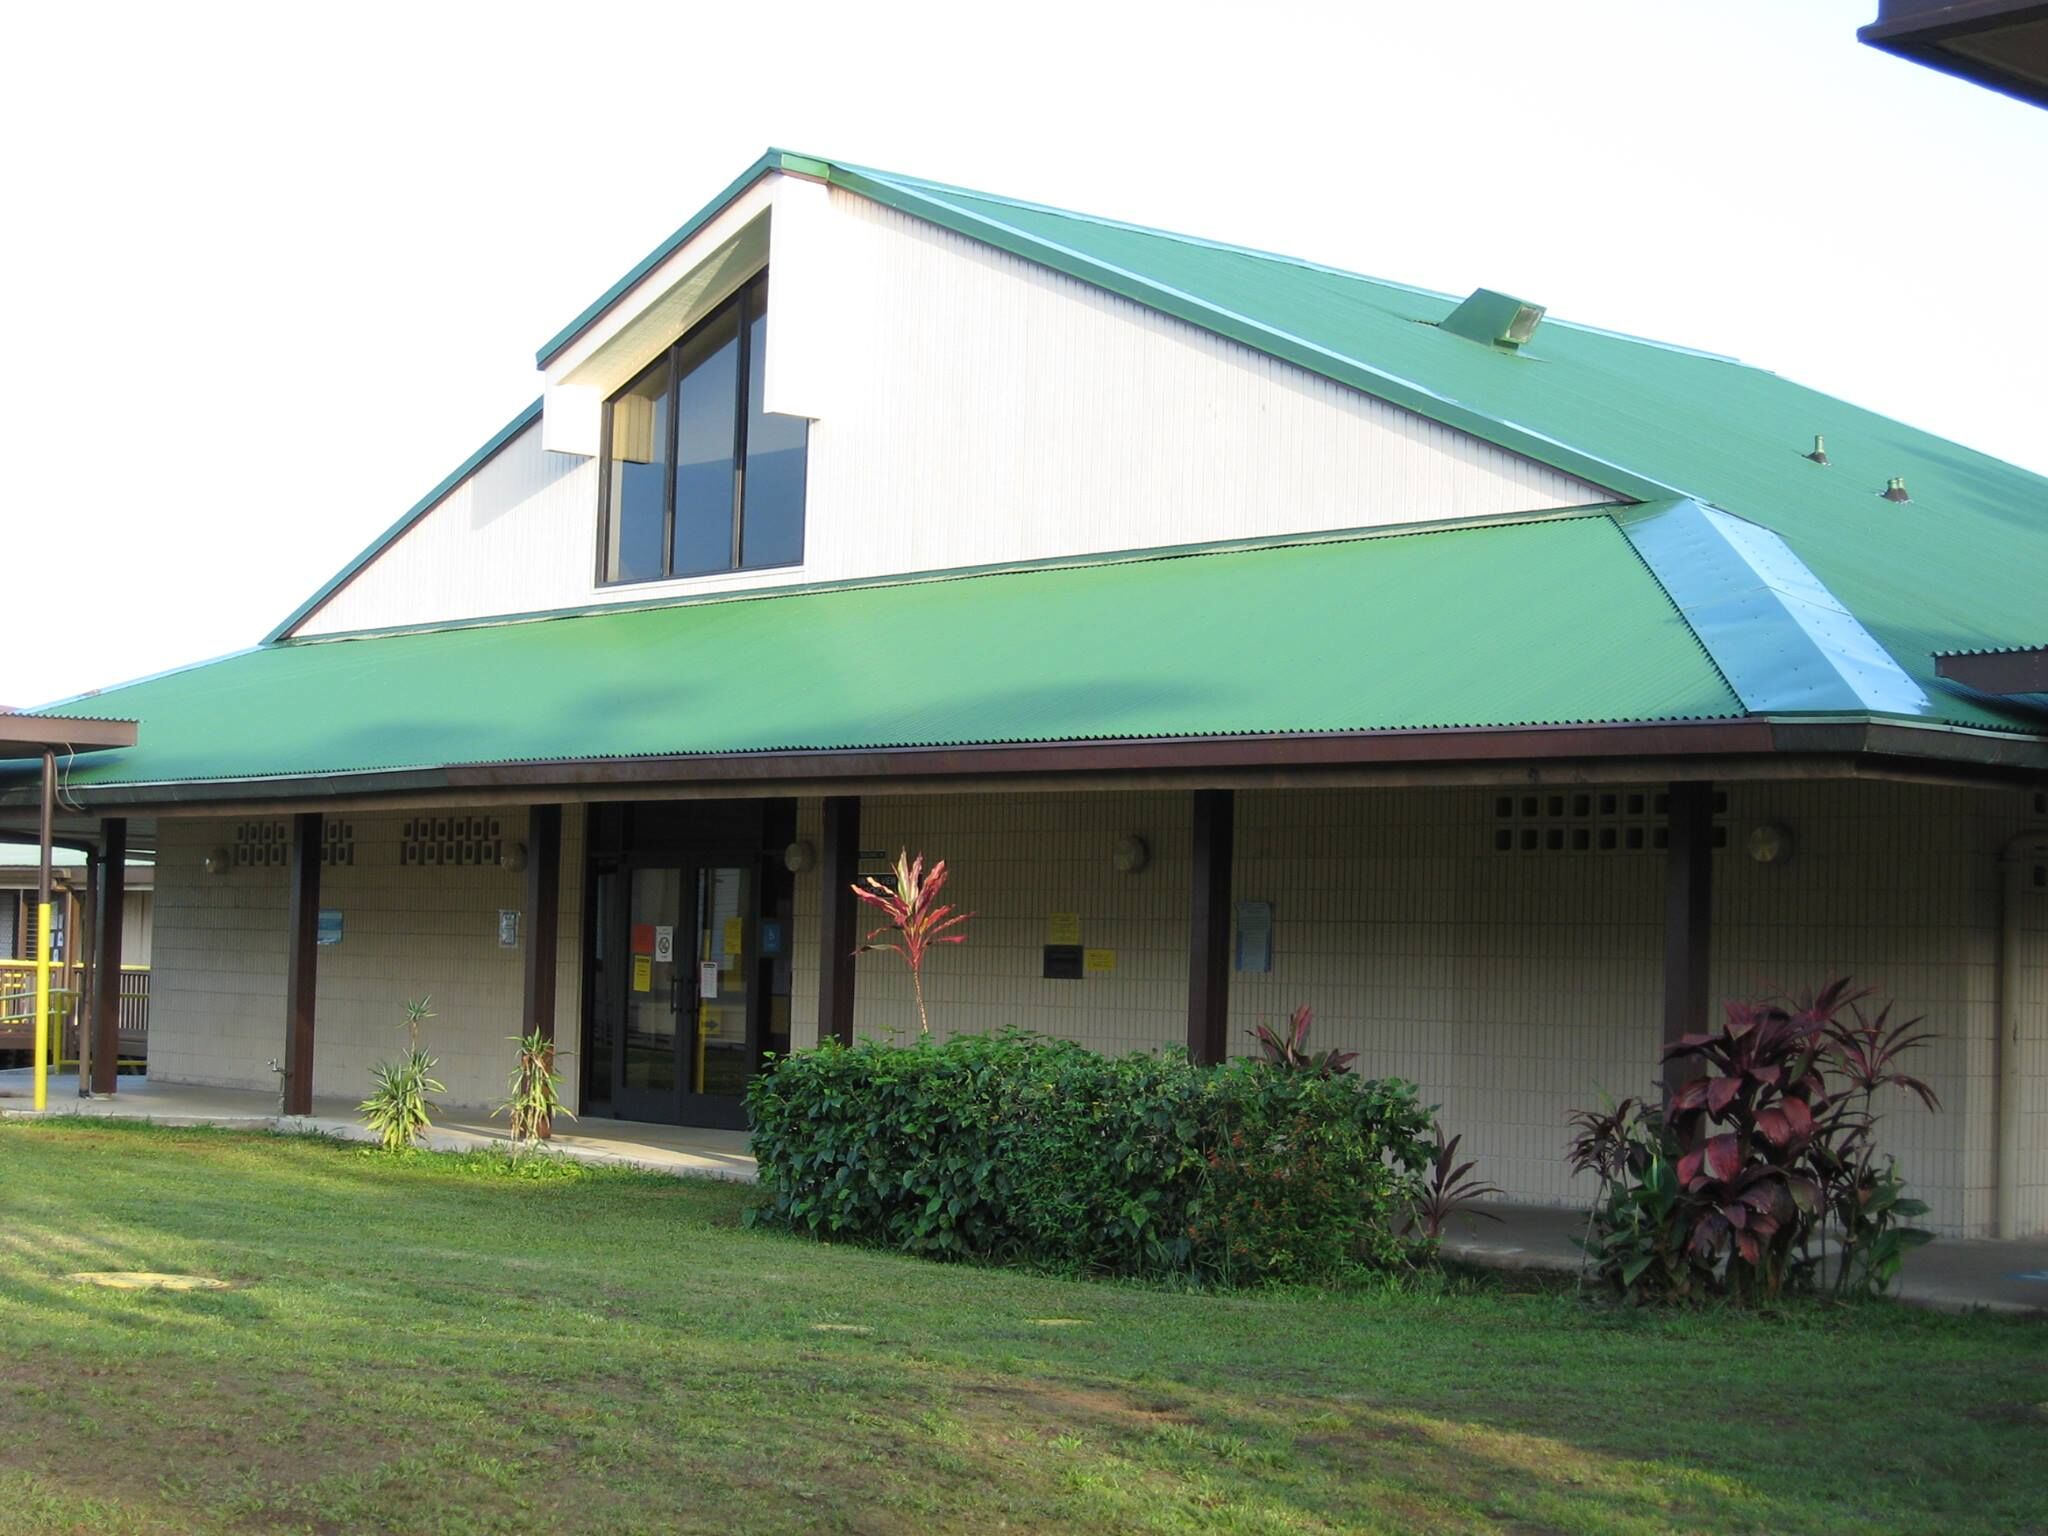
<point x="697" y="477"/>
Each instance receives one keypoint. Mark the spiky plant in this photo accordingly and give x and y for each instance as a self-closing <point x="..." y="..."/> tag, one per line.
<point x="534" y="1101"/>
<point x="917" y="919"/>
<point x="400" y="1108"/>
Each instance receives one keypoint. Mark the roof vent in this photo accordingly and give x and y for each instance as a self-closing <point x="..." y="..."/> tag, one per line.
<point x="1820" y="450"/>
<point x="1895" y="489"/>
<point x="1496" y="319"/>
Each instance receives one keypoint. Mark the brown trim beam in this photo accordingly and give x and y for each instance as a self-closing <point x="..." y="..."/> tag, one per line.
<point x="1998" y="671"/>
<point x="838" y="919"/>
<point x="302" y="962"/>
<point x="106" y="965"/>
<point x="1214" y="842"/>
<point x="1688" y="904"/>
<point x="1752" y="748"/>
<point x="543" y="915"/>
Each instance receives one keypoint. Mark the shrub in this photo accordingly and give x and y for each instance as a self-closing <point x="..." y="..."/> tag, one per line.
<point x="399" y="1107"/>
<point x="1291" y="1050"/>
<point x="1738" y="1184"/>
<point x="1019" y="1149"/>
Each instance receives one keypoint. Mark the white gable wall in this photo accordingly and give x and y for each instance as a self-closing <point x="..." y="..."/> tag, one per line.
<point x="971" y="408"/>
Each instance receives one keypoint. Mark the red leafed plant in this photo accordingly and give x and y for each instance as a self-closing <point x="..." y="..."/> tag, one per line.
<point x="1291" y="1050"/>
<point x="916" y="918"/>
<point x="1754" y="1164"/>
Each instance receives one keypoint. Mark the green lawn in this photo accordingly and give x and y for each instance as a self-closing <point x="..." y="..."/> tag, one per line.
<point x="430" y="1345"/>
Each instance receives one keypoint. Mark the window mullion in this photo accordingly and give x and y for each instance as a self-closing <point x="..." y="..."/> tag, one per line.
<point x="674" y="427"/>
<point x="739" y="422"/>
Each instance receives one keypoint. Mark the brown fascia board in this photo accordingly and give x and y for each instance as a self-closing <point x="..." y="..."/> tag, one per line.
<point x="2001" y="41"/>
<point x="1744" y="748"/>
<point x="1997" y="672"/>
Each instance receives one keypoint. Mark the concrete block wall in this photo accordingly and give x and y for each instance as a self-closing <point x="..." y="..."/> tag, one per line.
<point x="1514" y="987"/>
<point x="217" y="1009"/>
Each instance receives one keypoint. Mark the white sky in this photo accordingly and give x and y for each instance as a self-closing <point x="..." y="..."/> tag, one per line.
<point x="269" y="273"/>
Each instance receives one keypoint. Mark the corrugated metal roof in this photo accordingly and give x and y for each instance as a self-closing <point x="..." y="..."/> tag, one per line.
<point x="1957" y="566"/>
<point x="1548" y="622"/>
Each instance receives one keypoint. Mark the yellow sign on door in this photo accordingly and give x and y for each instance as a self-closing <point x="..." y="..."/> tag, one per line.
<point x="735" y="936"/>
<point x="643" y="973"/>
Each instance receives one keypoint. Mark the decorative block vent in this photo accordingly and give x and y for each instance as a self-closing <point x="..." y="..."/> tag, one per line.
<point x="261" y="844"/>
<point x="337" y="842"/>
<point x="1590" y="821"/>
<point x="451" y="840"/>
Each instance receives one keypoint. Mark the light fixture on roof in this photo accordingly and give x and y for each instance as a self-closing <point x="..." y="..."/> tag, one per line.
<point x="1130" y="855"/>
<point x="217" y="861"/>
<point x="1494" y="320"/>
<point x="1895" y="489"/>
<point x="1820" y="450"/>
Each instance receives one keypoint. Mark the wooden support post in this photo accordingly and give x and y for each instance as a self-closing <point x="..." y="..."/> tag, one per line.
<point x="106" y="965"/>
<point x="1209" y="927"/>
<point x="85" y="944"/>
<point x="1688" y="904"/>
<point x="302" y="963"/>
<point x="543" y="908"/>
<point x="838" y="921"/>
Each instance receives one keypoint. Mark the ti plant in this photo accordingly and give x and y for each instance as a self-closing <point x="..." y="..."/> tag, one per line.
<point x="916" y="919"/>
<point x="1753" y="1164"/>
<point x="1450" y="1189"/>
<point x="1291" y="1050"/>
<point x="534" y="1100"/>
<point x="400" y="1107"/>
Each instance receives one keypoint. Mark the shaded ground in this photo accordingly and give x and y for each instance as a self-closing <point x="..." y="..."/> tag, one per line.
<point x="435" y="1345"/>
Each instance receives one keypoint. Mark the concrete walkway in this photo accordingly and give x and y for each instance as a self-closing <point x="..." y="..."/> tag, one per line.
<point x="675" y="1149"/>
<point x="1951" y="1274"/>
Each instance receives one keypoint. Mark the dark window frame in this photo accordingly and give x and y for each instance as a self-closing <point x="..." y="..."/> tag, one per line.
<point x="737" y="305"/>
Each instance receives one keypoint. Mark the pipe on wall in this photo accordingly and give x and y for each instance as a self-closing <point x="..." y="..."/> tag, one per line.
<point x="2017" y="857"/>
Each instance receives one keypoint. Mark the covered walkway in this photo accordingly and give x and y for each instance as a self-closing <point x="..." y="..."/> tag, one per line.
<point x="674" y="1149"/>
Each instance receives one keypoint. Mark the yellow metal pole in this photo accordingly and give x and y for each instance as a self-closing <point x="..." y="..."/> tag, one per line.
<point x="42" y="1004"/>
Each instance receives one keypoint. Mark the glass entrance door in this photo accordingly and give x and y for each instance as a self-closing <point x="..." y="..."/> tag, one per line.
<point x="687" y="1040"/>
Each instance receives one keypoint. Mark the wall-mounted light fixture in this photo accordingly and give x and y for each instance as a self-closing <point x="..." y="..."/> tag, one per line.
<point x="513" y="858"/>
<point x="1131" y="855"/>
<point x="217" y="861"/>
<point x="799" y="856"/>
<point x="1769" y="843"/>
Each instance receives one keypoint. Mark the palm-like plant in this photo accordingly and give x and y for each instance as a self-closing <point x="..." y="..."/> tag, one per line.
<point x="535" y="1100"/>
<point x="400" y="1107"/>
<point x="917" y="919"/>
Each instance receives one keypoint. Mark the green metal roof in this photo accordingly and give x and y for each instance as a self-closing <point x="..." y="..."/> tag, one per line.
<point x="1463" y="627"/>
<point x="1750" y="581"/>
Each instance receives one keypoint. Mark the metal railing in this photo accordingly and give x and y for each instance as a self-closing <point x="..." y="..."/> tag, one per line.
<point x="67" y="978"/>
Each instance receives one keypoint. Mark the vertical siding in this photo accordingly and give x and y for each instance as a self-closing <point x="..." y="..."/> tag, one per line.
<point x="974" y="408"/>
<point x="217" y="1003"/>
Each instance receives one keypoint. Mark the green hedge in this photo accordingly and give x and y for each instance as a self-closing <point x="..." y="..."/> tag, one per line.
<point x="1018" y="1149"/>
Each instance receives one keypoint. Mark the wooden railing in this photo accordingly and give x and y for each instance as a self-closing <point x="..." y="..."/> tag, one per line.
<point x="18" y="1011"/>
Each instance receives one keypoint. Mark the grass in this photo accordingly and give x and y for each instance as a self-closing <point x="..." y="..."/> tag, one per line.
<point x="434" y="1344"/>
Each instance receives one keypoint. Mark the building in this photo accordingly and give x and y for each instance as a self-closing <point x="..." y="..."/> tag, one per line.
<point x="1244" y="632"/>
<point x="1999" y="44"/>
<point x="71" y="911"/>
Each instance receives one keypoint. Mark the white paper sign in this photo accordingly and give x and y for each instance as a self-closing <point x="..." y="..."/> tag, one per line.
<point x="707" y="981"/>
<point x="665" y="945"/>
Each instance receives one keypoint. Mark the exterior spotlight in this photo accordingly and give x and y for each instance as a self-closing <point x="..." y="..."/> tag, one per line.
<point x="1131" y="855"/>
<point x="799" y="856"/>
<point x="1769" y="843"/>
<point x="513" y="857"/>
<point x="217" y="861"/>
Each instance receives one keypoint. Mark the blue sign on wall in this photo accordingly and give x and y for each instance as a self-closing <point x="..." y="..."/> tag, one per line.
<point x="329" y="931"/>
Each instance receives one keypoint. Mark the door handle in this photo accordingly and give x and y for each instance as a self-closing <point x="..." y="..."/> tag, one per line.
<point x="675" y="991"/>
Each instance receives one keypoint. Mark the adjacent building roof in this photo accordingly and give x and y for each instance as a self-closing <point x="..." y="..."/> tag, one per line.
<point x="1757" y="577"/>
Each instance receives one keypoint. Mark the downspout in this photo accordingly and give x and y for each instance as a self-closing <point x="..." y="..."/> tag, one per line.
<point x="2014" y="860"/>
